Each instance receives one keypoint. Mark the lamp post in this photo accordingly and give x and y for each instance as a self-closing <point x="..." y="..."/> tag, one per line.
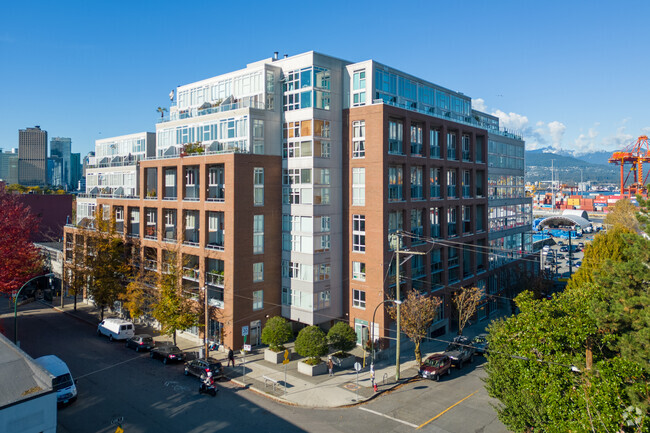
<point x="16" y="304"/>
<point x="205" y="332"/>
<point x="372" y="331"/>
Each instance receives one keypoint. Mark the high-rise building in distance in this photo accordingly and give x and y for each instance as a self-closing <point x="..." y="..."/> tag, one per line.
<point x="32" y="156"/>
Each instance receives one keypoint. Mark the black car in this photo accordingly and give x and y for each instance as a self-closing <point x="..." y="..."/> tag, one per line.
<point x="460" y="351"/>
<point x="167" y="353"/>
<point x="199" y="367"/>
<point x="140" y="342"/>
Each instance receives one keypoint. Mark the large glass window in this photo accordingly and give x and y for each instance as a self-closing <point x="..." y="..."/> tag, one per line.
<point x="258" y="234"/>
<point x="451" y="146"/>
<point x="258" y="186"/>
<point x="434" y="143"/>
<point x="451" y="183"/>
<point x="258" y="272"/>
<point x="258" y="299"/>
<point x="416" y="139"/>
<point x="466" y="148"/>
<point x="417" y="224"/>
<point x="395" y="223"/>
<point x="434" y="183"/>
<point x="417" y="188"/>
<point x="451" y="222"/>
<point x="359" y="271"/>
<point x="395" y="137"/>
<point x="359" y="299"/>
<point x="467" y="219"/>
<point x="467" y="179"/>
<point x="395" y="183"/>
<point x="434" y="217"/>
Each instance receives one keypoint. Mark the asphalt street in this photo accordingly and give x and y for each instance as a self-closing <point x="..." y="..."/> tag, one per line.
<point x="119" y="386"/>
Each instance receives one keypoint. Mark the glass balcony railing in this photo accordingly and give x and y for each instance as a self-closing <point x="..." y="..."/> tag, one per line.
<point x="188" y="113"/>
<point x="214" y="278"/>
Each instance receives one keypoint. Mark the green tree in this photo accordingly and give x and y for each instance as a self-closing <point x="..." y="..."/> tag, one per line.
<point x="623" y="214"/>
<point x="417" y="313"/>
<point x="643" y="215"/>
<point x="172" y="309"/>
<point x="579" y="362"/>
<point x="312" y="343"/>
<point x="276" y="332"/>
<point x="342" y="337"/>
<point x="162" y="111"/>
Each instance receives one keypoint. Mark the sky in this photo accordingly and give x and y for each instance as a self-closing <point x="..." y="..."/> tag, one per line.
<point x="571" y="75"/>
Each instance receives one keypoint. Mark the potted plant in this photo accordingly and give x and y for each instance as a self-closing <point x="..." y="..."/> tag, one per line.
<point x="151" y="193"/>
<point x="342" y="338"/>
<point x="311" y="343"/>
<point x="276" y="332"/>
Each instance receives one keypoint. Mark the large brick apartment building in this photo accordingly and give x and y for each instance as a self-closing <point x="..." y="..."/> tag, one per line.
<point x="306" y="165"/>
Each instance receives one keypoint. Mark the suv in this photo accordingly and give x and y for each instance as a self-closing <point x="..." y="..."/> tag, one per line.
<point x="435" y="366"/>
<point x="167" y="353"/>
<point x="199" y="367"/>
<point x="460" y="350"/>
<point x="140" y="341"/>
<point x="480" y="344"/>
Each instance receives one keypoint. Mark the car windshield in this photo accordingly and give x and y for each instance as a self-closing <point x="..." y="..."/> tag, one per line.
<point x="63" y="381"/>
<point x="147" y="340"/>
<point x="480" y="340"/>
<point x="434" y="363"/>
<point x="453" y="347"/>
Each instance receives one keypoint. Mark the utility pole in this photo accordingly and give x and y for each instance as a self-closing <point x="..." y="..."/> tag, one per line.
<point x="205" y="331"/>
<point x="570" y="255"/>
<point x="395" y="240"/>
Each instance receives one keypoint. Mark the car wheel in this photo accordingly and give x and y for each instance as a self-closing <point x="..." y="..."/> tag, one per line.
<point x="449" y="371"/>
<point x="165" y="361"/>
<point x="110" y="337"/>
<point x="437" y="378"/>
<point x="187" y="373"/>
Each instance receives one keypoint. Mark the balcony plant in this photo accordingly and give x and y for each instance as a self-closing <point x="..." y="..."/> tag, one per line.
<point x="192" y="148"/>
<point x="276" y="332"/>
<point x="342" y="338"/>
<point x="151" y="193"/>
<point x="311" y="343"/>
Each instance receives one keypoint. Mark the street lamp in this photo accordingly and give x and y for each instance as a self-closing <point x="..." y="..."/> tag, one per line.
<point x="205" y="331"/>
<point x="372" y="331"/>
<point x="16" y="304"/>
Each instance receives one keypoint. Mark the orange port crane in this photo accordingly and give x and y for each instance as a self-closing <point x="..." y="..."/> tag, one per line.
<point x="636" y="154"/>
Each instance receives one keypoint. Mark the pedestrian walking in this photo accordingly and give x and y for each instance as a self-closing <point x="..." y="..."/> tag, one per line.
<point x="330" y="365"/>
<point x="231" y="357"/>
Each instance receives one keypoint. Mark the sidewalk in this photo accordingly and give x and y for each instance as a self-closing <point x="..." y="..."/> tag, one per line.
<point x="301" y="390"/>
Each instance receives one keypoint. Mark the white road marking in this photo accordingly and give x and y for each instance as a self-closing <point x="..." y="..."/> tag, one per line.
<point x="389" y="417"/>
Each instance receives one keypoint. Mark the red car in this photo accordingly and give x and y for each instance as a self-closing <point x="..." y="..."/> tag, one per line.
<point x="435" y="366"/>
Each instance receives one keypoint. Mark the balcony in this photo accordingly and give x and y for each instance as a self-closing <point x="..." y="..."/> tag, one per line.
<point x="151" y="265"/>
<point x="216" y="193"/>
<point x="248" y="102"/>
<point x="214" y="278"/>
<point x="215" y="297"/>
<point x="150" y="232"/>
<point x="191" y="274"/>
<point x="215" y="240"/>
<point x="192" y="193"/>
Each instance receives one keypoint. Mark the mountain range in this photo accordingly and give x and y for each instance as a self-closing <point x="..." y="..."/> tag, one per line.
<point x="570" y="167"/>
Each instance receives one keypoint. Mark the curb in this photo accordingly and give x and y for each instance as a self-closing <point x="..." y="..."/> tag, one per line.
<point x="55" y="308"/>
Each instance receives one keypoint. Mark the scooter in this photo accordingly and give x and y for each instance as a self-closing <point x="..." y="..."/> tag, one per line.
<point x="208" y="389"/>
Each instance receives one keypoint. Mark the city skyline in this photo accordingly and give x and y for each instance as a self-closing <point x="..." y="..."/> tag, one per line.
<point x="559" y="75"/>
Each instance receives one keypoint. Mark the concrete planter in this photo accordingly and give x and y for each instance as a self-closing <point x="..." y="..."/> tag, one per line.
<point x="310" y="370"/>
<point x="275" y="357"/>
<point x="346" y="362"/>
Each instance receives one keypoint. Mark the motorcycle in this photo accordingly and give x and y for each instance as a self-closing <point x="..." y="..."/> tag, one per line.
<point x="208" y="389"/>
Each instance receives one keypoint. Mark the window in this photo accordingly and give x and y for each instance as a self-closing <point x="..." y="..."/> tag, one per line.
<point x="322" y="243"/>
<point x="416" y="140"/>
<point x="452" y="264"/>
<point x="325" y="224"/>
<point x="258" y="272"/>
<point x="358" y="186"/>
<point x="258" y="136"/>
<point x="479" y="150"/>
<point x="258" y="188"/>
<point x="451" y="222"/>
<point x="434" y="143"/>
<point x="451" y="183"/>
<point x="359" y="271"/>
<point x="467" y="219"/>
<point x="323" y="300"/>
<point x="467" y="260"/>
<point x="359" y="299"/>
<point x="258" y="234"/>
<point x="395" y="134"/>
<point x="395" y="183"/>
<point x="322" y="272"/>
<point x="434" y="183"/>
<point x="434" y="216"/>
<point x="466" y="148"/>
<point x="467" y="178"/>
<point x="395" y="223"/>
<point x="258" y="299"/>
<point x="359" y="139"/>
<point x="480" y="217"/>
<point x="479" y="183"/>
<point x="417" y="226"/>
<point x="359" y="233"/>
<point x="451" y="146"/>
<point x="416" y="183"/>
<point x="358" y="88"/>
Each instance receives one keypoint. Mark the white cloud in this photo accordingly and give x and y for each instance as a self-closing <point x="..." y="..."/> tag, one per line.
<point x="617" y="141"/>
<point x="511" y="120"/>
<point x="556" y="130"/>
<point x="586" y="143"/>
<point x="479" y="104"/>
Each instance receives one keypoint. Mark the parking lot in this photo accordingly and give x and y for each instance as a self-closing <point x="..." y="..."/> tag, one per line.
<point x="556" y="258"/>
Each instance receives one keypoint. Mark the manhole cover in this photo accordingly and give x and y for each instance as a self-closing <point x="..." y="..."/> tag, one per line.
<point x="351" y="386"/>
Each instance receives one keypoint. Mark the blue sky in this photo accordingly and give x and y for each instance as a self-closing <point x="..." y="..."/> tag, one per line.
<point x="567" y="74"/>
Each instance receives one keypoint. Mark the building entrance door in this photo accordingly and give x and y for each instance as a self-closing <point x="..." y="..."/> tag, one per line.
<point x="256" y="332"/>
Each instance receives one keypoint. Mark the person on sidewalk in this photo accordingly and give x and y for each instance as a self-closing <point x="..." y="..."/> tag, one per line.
<point x="231" y="357"/>
<point x="330" y="365"/>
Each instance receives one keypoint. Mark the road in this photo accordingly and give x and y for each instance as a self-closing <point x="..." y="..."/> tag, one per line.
<point x="117" y="384"/>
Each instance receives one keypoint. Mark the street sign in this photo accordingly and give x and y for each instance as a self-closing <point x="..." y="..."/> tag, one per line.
<point x="119" y="429"/>
<point x="357" y="366"/>
<point x="247" y="347"/>
<point x="286" y="355"/>
<point x="244" y="331"/>
<point x="285" y="362"/>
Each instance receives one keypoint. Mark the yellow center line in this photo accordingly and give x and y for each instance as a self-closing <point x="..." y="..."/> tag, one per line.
<point x="443" y="412"/>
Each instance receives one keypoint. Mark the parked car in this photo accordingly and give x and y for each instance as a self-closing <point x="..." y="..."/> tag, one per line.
<point x="581" y="245"/>
<point x="167" y="353"/>
<point x="480" y="343"/>
<point x="435" y="366"/>
<point x="564" y="249"/>
<point x="140" y="342"/>
<point x="460" y="351"/>
<point x="117" y="329"/>
<point x="578" y="264"/>
<point x="199" y="367"/>
<point x="560" y="256"/>
<point x="560" y="243"/>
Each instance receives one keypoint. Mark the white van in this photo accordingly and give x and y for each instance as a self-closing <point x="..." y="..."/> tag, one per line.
<point x="117" y="329"/>
<point x="66" y="390"/>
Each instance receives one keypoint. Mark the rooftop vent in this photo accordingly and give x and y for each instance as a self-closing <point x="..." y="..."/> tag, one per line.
<point x="275" y="55"/>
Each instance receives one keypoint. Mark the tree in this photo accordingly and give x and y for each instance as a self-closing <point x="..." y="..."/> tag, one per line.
<point x="643" y="215"/>
<point x="623" y="214"/>
<point x="107" y="264"/>
<point x="162" y="111"/>
<point x="312" y="343"/>
<point x="417" y="313"/>
<point x="580" y="361"/>
<point x="21" y="260"/>
<point x="466" y="301"/>
<point x="276" y="332"/>
<point x="173" y="310"/>
<point x="342" y="337"/>
<point x="136" y="298"/>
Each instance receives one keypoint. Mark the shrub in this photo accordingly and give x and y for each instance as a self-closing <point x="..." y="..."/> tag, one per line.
<point x="342" y="337"/>
<point x="311" y="343"/>
<point x="276" y="332"/>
